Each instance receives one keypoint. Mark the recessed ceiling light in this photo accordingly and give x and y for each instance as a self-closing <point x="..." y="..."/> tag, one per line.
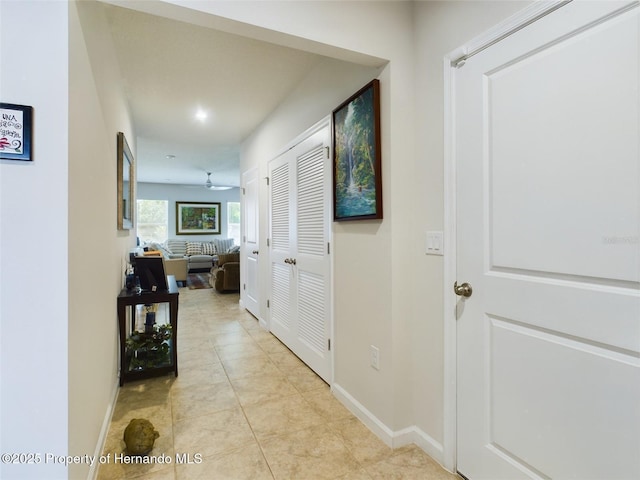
<point x="170" y="157"/>
<point x="201" y="115"/>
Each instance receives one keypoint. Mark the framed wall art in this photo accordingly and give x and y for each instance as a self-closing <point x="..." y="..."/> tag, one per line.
<point x="357" y="177"/>
<point x="16" y="130"/>
<point x="197" y="218"/>
<point x="126" y="183"/>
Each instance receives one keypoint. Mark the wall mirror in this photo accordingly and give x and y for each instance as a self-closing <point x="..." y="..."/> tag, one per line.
<point x="126" y="184"/>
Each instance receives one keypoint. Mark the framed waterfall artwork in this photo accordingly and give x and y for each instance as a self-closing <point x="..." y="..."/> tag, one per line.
<point x="197" y="218"/>
<point x="357" y="172"/>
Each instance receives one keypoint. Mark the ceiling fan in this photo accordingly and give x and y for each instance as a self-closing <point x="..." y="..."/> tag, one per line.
<point x="209" y="184"/>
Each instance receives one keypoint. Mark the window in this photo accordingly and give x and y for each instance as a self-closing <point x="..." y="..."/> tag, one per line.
<point x="153" y="220"/>
<point x="233" y="221"/>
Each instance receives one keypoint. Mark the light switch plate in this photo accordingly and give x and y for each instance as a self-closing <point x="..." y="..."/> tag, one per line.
<point x="435" y="243"/>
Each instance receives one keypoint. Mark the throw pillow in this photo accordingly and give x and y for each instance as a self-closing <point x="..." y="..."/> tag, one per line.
<point x="194" y="248"/>
<point x="208" y="248"/>
<point x="223" y="244"/>
<point x="177" y="247"/>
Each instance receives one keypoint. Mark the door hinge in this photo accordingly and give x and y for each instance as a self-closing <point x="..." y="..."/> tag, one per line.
<point x="244" y="286"/>
<point x="267" y="179"/>
<point x="328" y="248"/>
<point x="244" y="239"/>
<point x="268" y="304"/>
<point x="267" y="242"/>
<point x="327" y="148"/>
<point x="244" y="191"/>
<point x="329" y="344"/>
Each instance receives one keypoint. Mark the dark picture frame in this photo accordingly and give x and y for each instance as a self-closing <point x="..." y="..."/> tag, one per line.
<point x="16" y="130"/>
<point x="126" y="183"/>
<point x="357" y="163"/>
<point x="198" y="218"/>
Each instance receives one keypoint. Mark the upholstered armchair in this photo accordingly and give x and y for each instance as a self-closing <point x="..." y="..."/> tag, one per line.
<point x="225" y="277"/>
<point x="178" y="268"/>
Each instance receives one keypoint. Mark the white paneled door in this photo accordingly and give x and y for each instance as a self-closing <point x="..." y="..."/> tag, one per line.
<point x="300" y="297"/>
<point x="250" y="204"/>
<point x="548" y="239"/>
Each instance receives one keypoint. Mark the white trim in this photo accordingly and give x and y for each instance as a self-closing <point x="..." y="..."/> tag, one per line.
<point x="391" y="438"/>
<point x="325" y="122"/>
<point x="104" y="431"/>
<point x="450" y="267"/>
<point x="372" y="422"/>
<point x="516" y="22"/>
<point x="427" y="443"/>
<point x="264" y="324"/>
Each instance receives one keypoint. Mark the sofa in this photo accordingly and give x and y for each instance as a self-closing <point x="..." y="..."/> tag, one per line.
<point x="225" y="276"/>
<point x="199" y="255"/>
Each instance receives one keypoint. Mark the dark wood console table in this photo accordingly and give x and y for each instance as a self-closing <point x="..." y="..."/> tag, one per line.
<point x="132" y="300"/>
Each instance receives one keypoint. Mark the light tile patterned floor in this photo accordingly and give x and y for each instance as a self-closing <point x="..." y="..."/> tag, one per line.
<point x="244" y="407"/>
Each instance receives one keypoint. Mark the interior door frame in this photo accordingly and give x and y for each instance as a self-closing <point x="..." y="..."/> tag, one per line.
<point x="453" y="60"/>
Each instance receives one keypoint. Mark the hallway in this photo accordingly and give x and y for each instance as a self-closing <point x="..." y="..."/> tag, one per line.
<point x="244" y="407"/>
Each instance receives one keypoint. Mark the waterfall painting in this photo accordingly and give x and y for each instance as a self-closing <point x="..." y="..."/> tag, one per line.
<point x="357" y="182"/>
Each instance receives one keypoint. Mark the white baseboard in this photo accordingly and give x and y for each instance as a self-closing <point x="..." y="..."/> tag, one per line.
<point x="106" y="423"/>
<point x="394" y="439"/>
<point x="365" y="416"/>
<point x="263" y="323"/>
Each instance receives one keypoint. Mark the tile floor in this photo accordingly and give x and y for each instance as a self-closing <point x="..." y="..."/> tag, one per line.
<point x="244" y="407"/>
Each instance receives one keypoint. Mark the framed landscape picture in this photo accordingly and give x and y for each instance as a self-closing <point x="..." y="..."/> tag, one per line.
<point x="357" y="180"/>
<point x="197" y="218"/>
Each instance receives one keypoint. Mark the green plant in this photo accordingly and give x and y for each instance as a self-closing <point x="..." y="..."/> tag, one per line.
<point x="149" y="350"/>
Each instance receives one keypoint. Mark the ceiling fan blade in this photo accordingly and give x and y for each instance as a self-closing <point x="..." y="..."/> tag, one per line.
<point x="209" y="184"/>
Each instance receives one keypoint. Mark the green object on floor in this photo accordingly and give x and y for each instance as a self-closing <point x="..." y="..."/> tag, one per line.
<point x="139" y="436"/>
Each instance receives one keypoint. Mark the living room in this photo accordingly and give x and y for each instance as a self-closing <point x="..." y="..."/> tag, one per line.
<point x="158" y="209"/>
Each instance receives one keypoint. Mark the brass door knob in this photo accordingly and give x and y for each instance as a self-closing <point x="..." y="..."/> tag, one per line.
<point x="463" y="290"/>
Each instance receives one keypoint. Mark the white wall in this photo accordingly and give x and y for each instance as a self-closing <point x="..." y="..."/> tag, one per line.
<point x="184" y="193"/>
<point x="97" y="250"/>
<point x="440" y="27"/>
<point x="34" y="289"/>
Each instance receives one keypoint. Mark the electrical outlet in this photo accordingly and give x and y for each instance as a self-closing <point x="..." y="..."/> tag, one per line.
<point x="374" y="356"/>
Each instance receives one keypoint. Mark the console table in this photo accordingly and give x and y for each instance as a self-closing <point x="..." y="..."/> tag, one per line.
<point x="130" y="299"/>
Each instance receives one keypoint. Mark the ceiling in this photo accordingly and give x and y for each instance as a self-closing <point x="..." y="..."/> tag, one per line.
<point x="171" y="70"/>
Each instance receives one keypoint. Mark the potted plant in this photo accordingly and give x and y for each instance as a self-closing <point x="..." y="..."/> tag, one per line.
<point x="149" y="349"/>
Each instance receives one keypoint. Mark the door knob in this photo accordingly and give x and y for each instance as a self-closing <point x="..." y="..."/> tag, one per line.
<point x="287" y="260"/>
<point x="463" y="290"/>
<point x="255" y="252"/>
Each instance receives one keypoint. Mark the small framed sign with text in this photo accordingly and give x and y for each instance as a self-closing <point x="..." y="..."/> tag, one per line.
<point x="16" y="129"/>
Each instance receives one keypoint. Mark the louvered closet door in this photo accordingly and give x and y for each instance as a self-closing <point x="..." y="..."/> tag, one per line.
<point x="281" y="304"/>
<point x="300" y="264"/>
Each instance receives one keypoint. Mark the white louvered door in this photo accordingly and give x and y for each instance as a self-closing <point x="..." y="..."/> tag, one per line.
<point x="299" y="258"/>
